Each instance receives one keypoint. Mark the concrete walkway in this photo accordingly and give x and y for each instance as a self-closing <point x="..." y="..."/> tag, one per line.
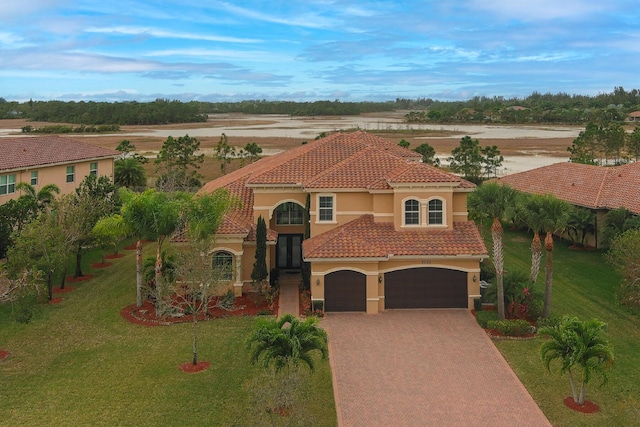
<point x="288" y="301"/>
<point x="423" y="368"/>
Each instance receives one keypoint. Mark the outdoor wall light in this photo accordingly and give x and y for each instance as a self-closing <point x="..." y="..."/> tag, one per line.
<point x="475" y="278"/>
<point x="379" y="279"/>
<point x="317" y="282"/>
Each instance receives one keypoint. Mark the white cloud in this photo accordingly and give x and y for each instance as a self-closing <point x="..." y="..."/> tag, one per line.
<point x="146" y="31"/>
<point x="535" y="10"/>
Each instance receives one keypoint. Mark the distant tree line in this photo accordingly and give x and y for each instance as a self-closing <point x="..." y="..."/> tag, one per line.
<point x="534" y="108"/>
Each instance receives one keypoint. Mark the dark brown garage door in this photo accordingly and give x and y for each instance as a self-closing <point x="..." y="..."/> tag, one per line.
<point x="345" y="291"/>
<point x="425" y="288"/>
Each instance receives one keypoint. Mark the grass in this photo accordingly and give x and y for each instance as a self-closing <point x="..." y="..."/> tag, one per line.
<point x="80" y="363"/>
<point x="583" y="286"/>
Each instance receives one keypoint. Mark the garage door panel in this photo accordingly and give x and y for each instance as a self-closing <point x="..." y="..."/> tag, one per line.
<point x="345" y="291"/>
<point x="426" y="288"/>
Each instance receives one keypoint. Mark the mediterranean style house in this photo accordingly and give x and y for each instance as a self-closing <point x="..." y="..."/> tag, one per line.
<point x="385" y="230"/>
<point x="598" y="188"/>
<point x="43" y="160"/>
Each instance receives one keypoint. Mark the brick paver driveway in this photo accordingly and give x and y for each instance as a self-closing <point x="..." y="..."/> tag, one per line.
<point x="420" y="368"/>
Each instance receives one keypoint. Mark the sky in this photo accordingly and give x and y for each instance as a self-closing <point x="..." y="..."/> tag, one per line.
<point x="360" y="50"/>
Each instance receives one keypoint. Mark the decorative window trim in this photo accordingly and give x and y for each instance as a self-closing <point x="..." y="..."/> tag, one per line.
<point x="7" y="184"/>
<point x="442" y="211"/>
<point x="405" y="223"/>
<point x="325" y="209"/>
<point x="217" y="259"/>
<point x="71" y="174"/>
<point x="288" y="215"/>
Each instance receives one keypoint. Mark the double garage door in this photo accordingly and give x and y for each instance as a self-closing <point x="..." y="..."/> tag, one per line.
<point x="412" y="288"/>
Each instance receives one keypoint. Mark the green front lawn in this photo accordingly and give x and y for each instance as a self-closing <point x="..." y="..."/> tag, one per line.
<point x="583" y="286"/>
<point x="80" y="363"/>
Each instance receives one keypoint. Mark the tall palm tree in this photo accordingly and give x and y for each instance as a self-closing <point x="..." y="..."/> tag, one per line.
<point x="491" y="201"/>
<point x="579" y="345"/>
<point x="555" y="216"/>
<point x="287" y="341"/>
<point x="40" y="198"/>
<point x="530" y="212"/>
<point x="129" y="172"/>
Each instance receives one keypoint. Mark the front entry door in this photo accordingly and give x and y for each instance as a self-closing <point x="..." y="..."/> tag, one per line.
<point x="289" y="251"/>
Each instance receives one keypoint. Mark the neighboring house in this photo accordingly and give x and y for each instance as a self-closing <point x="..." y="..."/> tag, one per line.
<point x="598" y="188"/>
<point x="386" y="231"/>
<point x="43" y="160"/>
<point x="634" y="117"/>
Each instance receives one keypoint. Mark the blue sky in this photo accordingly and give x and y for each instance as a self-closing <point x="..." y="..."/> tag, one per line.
<point x="118" y="50"/>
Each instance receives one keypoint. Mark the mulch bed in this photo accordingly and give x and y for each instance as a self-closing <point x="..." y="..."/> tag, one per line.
<point x="130" y="248"/>
<point x="3" y="354"/>
<point x="146" y="315"/>
<point x="114" y="256"/>
<point x="59" y="290"/>
<point x="72" y="279"/>
<point x="587" y="408"/>
<point x="56" y="300"/>
<point x="192" y="369"/>
<point x="101" y="265"/>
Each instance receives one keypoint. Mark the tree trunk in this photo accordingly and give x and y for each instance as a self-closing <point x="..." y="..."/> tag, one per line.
<point x="79" y="262"/>
<point x="548" y="276"/>
<point x="195" y="337"/>
<point x="498" y="263"/>
<point x="159" y="284"/>
<point x="582" y="393"/>
<point x="64" y="277"/>
<point x="50" y="284"/>
<point x="574" y="392"/>
<point x="536" y="257"/>
<point x="139" y="273"/>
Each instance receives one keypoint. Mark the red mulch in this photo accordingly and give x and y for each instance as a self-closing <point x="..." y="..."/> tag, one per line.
<point x="3" y="354"/>
<point x="66" y="289"/>
<point x="146" y="315"/>
<point x="191" y="368"/>
<point x="494" y="333"/>
<point x="130" y="248"/>
<point x="55" y="300"/>
<point x="113" y="256"/>
<point x="101" y="265"/>
<point x="587" y="408"/>
<point x="72" y="279"/>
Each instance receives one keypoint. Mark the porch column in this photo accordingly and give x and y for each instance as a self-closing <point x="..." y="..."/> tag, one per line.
<point x="237" y="286"/>
<point x="373" y="297"/>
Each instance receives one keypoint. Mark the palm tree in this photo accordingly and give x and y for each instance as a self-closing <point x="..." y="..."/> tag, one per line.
<point x="491" y="201"/>
<point x="287" y="341"/>
<point x="530" y="212"/>
<point x="128" y="172"/>
<point x="41" y="198"/>
<point x="578" y="344"/>
<point x="555" y="216"/>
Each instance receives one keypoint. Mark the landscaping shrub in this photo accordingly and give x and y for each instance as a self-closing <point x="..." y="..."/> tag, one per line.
<point x="548" y="322"/>
<point x="23" y="314"/>
<point x="483" y="317"/>
<point x="512" y="328"/>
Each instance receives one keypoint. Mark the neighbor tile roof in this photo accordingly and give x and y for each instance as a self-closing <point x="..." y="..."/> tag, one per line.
<point x="365" y="238"/>
<point x="595" y="187"/>
<point x="339" y="161"/>
<point x="28" y="152"/>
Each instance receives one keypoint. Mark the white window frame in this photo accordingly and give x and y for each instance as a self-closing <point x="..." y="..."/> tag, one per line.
<point x="71" y="174"/>
<point x="9" y="184"/>
<point x="34" y="178"/>
<point x="405" y="212"/>
<point x="325" y="209"/>
<point x="228" y="276"/>
<point x="442" y="212"/>
<point x="93" y="168"/>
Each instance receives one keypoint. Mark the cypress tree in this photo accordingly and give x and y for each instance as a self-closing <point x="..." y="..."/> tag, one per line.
<point x="260" y="272"/>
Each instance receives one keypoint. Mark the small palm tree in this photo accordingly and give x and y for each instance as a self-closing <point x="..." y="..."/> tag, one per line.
<point x="129" y="172"/>
<point x="530" y="212"/>
<point x="578" y="344"/>
<point x="287" y="341"/>
<point x="41" y="198"/>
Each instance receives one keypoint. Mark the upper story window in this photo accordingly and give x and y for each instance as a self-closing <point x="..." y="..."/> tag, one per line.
<point x="93" y="168"/>
<point x="34" y="178"/>
<point x="326" y="207"/>
<point x="7" y="184"/>
<point x="289" y="214"/>
<point x="223" y="264"/>
<point x="436" y="212"/>
<point x="71" y="173"/>
<point x="412" y="212"/>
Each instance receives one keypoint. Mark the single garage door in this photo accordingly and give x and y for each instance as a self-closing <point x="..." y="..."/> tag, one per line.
<point x="345" y="291"/>
<point x="425" y="288"/>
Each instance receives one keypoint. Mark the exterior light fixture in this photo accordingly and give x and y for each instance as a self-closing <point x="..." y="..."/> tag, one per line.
<point x="380" y="279"/>
<point x="475" y="278"/>
<point x="318" y="282"/>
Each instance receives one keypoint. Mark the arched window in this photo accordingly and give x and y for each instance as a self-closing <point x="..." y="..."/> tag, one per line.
<point x="411" y="212"/>
<point x="436" y="212"/>
<point x="289" y="213"/>
<point x="223" y="265"/>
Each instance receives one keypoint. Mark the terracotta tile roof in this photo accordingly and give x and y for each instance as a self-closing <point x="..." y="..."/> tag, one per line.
<point x="595" y="187"/>
<point x="365" y="238"/>
<point x="27" y="152"/>
<point x="339" y="161"/>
